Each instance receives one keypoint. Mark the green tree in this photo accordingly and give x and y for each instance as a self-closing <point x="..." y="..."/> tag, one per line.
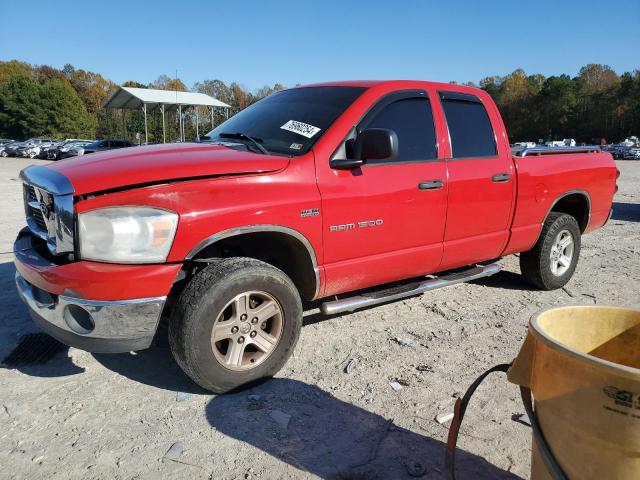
<point x="557" y="103"/>
<point x="218" y="90"/>
<point x="14" y="68"/>
<point x="53" y="109"/>
<point x="134" y="84"/>
<point x="66" y="114"/>
<point x="515" y="95"/>
<point x="165" y="82"/>
<point x="240" y="98"/>
<point x="20" y="111"/>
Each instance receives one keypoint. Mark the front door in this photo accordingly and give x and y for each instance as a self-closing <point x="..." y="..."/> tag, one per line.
<point x="385" y="220"/>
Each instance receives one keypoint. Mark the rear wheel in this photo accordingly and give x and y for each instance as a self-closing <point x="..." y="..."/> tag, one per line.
<point x="237" y="321"/>
<point x="551" y="262"/>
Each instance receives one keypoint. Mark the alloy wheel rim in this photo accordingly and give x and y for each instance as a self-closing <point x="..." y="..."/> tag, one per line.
<point x="247" y="330"/>
<point x="561" y="253"/>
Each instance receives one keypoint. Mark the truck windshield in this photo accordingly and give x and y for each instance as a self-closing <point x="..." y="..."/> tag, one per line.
<point x="287" y="122"/>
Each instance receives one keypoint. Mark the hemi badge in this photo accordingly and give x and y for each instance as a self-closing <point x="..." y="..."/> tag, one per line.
<point x="310" y="212"/>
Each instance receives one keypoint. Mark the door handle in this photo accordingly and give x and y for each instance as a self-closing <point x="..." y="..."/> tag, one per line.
<point x="431" y="185"/>
<point x="501" y="177"/>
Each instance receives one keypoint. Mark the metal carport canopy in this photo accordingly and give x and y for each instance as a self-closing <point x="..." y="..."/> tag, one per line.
<point x="135" y="98"/>
<point x="149" y="99"/>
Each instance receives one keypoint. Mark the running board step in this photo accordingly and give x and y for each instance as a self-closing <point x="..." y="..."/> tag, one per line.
<point x="395" y="293"/>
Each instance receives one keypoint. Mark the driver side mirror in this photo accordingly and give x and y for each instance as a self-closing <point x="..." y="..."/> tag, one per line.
<point x="371" y="144"/>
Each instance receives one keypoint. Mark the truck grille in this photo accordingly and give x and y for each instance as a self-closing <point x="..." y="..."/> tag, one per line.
<point x="48" y="206"/>
<point x="39" y="210"/>
<point x="36" y="214"/>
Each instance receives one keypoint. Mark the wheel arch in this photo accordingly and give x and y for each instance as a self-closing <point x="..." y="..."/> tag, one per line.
<point x="280" y="246"/>
<point x="576" y="203"/>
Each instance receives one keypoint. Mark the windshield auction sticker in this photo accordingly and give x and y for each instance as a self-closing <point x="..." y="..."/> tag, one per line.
<point x="300" y="128"/>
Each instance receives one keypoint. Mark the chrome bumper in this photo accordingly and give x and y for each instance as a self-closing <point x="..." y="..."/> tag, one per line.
<point x="95" y="326"/>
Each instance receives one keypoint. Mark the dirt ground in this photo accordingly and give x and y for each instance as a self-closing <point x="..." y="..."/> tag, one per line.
<point x="127" y="416"/>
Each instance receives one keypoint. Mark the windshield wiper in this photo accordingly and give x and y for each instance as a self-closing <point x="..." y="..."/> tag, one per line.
<point x="254" y="140"/>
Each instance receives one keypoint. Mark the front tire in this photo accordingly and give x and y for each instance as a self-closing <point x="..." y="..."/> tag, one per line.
<point x="551" y="262"/>
<point x="237" y="321"/>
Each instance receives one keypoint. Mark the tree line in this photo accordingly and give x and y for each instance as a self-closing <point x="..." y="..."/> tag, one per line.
<point x="42" y="101"/>
<point x="597" y="103"/>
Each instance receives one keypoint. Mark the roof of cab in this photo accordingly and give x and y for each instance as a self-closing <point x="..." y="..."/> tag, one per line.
<point x="396" y="83"/>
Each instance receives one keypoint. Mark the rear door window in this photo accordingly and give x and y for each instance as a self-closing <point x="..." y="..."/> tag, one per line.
<point x="469" y="126"/>
<point x="412" y="120"/>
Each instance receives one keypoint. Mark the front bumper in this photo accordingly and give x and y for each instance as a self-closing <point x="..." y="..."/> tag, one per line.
<point x="92" y="306"/>
<point x="95" y="326"/>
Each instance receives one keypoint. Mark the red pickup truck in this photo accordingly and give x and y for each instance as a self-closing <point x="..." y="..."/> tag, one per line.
<point x="350" y="192"/>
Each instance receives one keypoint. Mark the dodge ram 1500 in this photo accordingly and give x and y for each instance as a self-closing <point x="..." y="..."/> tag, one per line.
<point x="348" y="194"/>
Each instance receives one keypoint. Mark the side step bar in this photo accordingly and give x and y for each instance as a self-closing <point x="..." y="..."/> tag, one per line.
<point x="395" y="293"/>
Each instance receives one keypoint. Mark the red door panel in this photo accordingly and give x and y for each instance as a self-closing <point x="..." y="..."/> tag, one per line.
<point x="479" y="211"/>
<point x="481" y="178"/>
<point x="385" y="221"/>
<point x="403" y="234"/>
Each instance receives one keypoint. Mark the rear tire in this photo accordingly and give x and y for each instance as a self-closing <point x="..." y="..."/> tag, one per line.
<point x="550" y="264"/>
<point x="229" y="299"/>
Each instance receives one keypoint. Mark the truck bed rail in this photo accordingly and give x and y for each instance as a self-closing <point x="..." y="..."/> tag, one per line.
<point x="537" y="151"/>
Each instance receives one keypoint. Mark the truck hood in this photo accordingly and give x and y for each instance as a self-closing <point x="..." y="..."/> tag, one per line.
<point x="126" y="167"/>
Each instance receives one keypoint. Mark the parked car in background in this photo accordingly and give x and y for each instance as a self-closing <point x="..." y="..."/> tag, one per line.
<point x="631" y="141"/>
<point x="7" y="147"/>
<point x="617" y="151"/>
<point x="46" y="150"/>
<point x="9" y="150"/>
<point x="97" y="146"/>
<point x="31" y="148"/>
<point x="632" y="154"/>
<point x="102" y="145"/>
<point x="57" y="151"/>
<point x="5" y="141"/>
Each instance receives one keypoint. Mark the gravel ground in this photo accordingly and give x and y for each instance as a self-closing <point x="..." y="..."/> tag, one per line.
<point x="137" y="416"/>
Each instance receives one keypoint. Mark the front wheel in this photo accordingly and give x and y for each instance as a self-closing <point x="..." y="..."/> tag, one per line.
<point x="551" y="262"/>
<point x="237" y="321"/>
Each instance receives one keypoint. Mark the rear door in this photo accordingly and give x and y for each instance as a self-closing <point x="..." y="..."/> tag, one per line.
<point x="481" y="182"/>
<point x="385" y="220"/>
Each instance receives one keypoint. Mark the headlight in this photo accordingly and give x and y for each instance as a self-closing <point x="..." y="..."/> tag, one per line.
<point x="126" y="234"/>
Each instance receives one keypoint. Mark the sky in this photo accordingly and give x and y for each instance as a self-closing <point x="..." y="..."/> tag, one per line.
<point x="257" y="43"/>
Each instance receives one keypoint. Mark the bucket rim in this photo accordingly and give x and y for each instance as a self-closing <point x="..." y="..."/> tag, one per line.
<point x="536" y="329"/>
